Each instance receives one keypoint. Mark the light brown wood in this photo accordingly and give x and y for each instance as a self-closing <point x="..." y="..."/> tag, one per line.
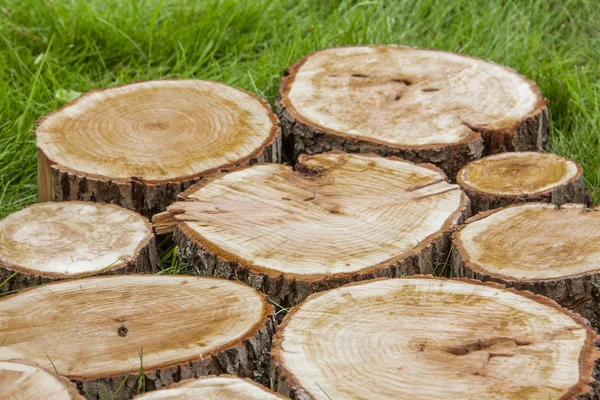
<point x="141" y="144"/>
<point x="337" y="218"/>
<point x="421" y="105"/>
<point x="509" y="178"/>
<point x="431" y="338"/>
<point x="102" y="332"/>
<point x="24" y="380"/>
<point x="222" y="387"/>
<point x="538" y="247"/>
<point x="52" y="241"/>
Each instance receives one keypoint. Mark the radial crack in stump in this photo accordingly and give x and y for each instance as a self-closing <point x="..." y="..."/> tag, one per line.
<point x="24" y="380"/>
<point x="538" y="247"/>
<point x="430" y="338"/>
<point x="504" y="179"/>
<point x="421" y="105"/>
<point x="337" y="218"/>
<point x="141" y="144"/>
<point x="223" y="387"/>
<point x="103" y="332"/>
<point x="53" y="241"/>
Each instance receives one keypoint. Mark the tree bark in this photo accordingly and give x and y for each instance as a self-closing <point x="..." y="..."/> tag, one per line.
<point x="24" y="380"/>
<point x="510" y="178"/>
<point x="55" y="241"/>
<point x="337" y="218"/>
<point x="420" y="105"/>
<point x="140" y="145"/>
<point x="117" y="336"/>
<point x="214" y="387"/>
<point x="536" y="247"/>
<point x="387" y="338"/>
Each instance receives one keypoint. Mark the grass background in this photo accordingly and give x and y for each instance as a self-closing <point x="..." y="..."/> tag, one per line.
<point x="51" y="50"/>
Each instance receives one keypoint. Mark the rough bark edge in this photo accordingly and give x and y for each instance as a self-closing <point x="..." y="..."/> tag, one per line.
<point x="573" y="191"/>
<point x="251" y="382"/>
<point x="148" y="197"/>
<point x="70" y="386"/>
<point x="146" y="260"/>
<point x="305" y="136"/>
<point x="204" y="258"/>
<point x="588" y="386"/>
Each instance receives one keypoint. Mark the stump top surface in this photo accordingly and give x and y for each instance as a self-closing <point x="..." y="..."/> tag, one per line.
<point x="222" y="387"/>
<point x="534" y="241"/>
<point x="164" y="130"/>
<point x="406" y="96"/>
<point x="69" y="239"/>
<point x="97" y="327"/>
<point x="337" y="213"/>
<point x="519" y="173"/>
<point x="433" y="338"/>
<point x="23" y="380"/>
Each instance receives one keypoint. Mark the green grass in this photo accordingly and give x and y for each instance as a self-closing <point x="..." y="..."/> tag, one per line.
<point x="52" y="50"/>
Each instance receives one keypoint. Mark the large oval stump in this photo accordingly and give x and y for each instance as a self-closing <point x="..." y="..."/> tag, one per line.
<point x="509" y="178"/>
<point x="223" y="387"/>
<point x="337" y="218"/>
<point x="538" y="247"/>
<point x="426" y="338"/>
<point x="141" y="144"/>
<point x="116" y="335"/>
<point x="52" y="241"/>
<point x="421" y="105"/>
<point x="24" y="380"/>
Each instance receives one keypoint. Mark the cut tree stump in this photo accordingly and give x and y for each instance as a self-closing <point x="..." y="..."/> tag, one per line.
<point x="24" y="380"/>
<point x="115" y="335"/>
<point x="431" y="338"/>
<point x="509" y="178"/>
<point x="53" y="241"/>
<point x="421" y="105"/>
<point x="223" y="387"/>
<point x="337" y="218"/>
<point x="141" y="144"/>
<point x="551" y="251"/>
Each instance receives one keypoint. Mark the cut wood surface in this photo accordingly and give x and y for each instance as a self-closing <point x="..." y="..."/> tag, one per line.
<point x="51" y="241"/>
<point x="223" y="387"/>
<point x="421" y="105"/>
<point x="504" y="179"/>
<point x="102" y="332"/>
<point x="538" y="247"/>
<point x="337" y="218"/>
<point x="24" y="380"/>
<point x="430" y="338"/>
<point x="141" y="144"/>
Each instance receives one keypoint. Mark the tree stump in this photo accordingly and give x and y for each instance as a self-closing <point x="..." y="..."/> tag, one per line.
<point x="429" y="338"/>
<point x="116" y="336"/>
<point x="223" y="387"/>
<point x="141" y="144"/>
<point x="509" y="178"/>
<point x="24" y="380"/>
<point x="52" y="241"/>
<point x="538" y="247"/>
<point x="421" y="105"/>
<point x="337" y="218"/>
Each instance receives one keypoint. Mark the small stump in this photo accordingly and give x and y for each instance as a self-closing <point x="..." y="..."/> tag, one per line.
<point x="504" y="179"/>
<point x="337" y="218"/>
<point x="421" y="105"/>
<point x="141" y="144"/>
<point x="24" y="380"/>
<point x="115" y="335"/>
<point x="51" y="241"/>
<point x="214" y="387"/>
<point x="538" y="247"/>
<point x="426" y="338"/>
